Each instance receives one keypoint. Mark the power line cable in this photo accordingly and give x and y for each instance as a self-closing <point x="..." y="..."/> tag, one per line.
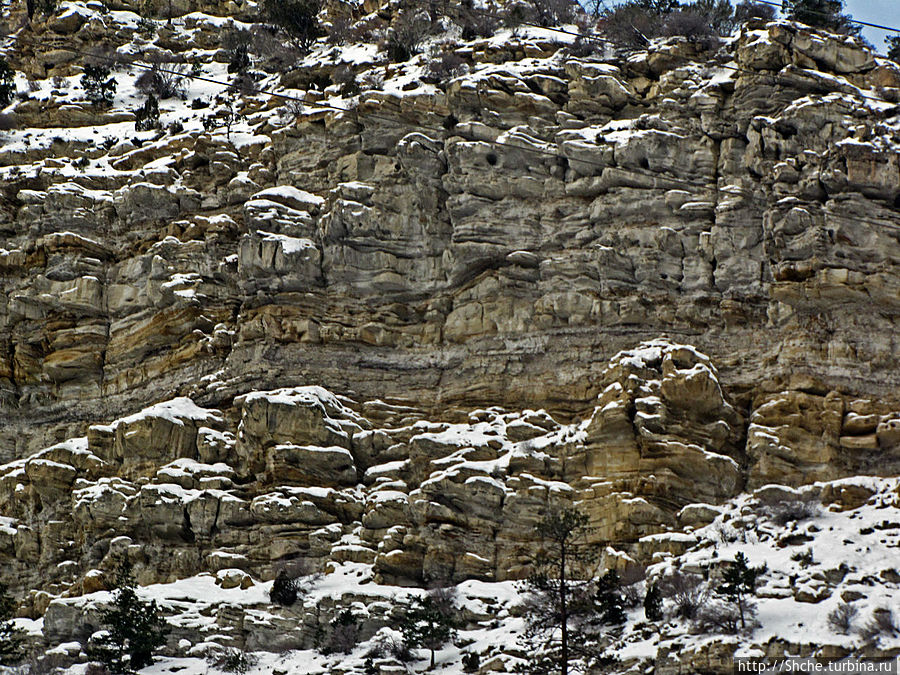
<point x="848" y="19"/>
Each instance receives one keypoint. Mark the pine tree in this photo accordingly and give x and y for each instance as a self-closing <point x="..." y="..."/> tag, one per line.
<point x="429" y="622"/>
<point x="284" y="589"/>
<point x="738" y="582"/>
<point x="826" y="14"/>
<point x="99" y="87"/>
<point x="653" y="603"/>
<point x="135" y="629"/>
<point x="7" y="83"/>
<point x="146" y="117"/>
<point x="11" y="637"/>
<point x="565" y="604"/>
<point x="893" y="44"/>
<point x="609" y="600"/>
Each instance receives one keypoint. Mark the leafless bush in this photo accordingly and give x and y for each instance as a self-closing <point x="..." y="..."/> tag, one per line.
<point x="583" y="47"/>
<point x="48" y="664"/>
<point x="274" y="54"/>
<point x="244" y="83"/>
<point x="406" y="35"/>
<point x="7" y="122"/>
<point x="345" y="78"/>
<point x="344" y="635"/>
<point x="372" y="80"/>
<point x="96" y="669"/>
<point x="445" y="67"/>
<point x="747" y="11"/>
<point x="166" y="79"/>
<point x="387" y="644"/>
<point x="340" y="31"/>
<point x="793" y="510"/>
<point x="630" y="585"/>
<point x="475" y="23"/>
<point x="552" y="12"/>
<point x="841" y="618"/>
<point x="721" y="617"/>
<point x="690" y="25"/>
<point x="443" y="594"/>
<point x="629" y="25"/>
<point x="881" y="624"/>
<point x="686" y="592"/>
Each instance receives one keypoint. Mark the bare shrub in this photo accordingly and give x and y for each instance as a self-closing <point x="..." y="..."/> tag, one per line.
<point x="96" y="669"/>
<point x="165" y="78"/>
<point x="475" y="23"/>
<point x="552" y="12"/>
<point x="722" y="617"/>
<point x="686" y="592"/>
<point x="340" y="31"/>
<point x="881" y="624"/>
<point x="690" y="25"/>
<point x="373" y="80"/>
<point x="445" y="67"/>
<point x="793" y="510"/>
<point x="629" y="25"/>
<point x="840" y="620"/>
<point x="345" y="78"/>
<point x="630" y="585"/>
<point x="7" y="122"/>
<point x="406" y="35"/>
<point x="748" y="11"/>
<point x="583" y="47"/>
<point x="344" y="634"/>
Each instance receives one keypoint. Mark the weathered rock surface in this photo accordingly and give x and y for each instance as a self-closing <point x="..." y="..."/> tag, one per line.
<point x="574" y="207"/>
<point x="390" y="337"/>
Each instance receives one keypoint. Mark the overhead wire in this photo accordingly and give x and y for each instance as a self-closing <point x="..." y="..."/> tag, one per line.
<point x="780" y="5"/>
<point x="661" y="177"/>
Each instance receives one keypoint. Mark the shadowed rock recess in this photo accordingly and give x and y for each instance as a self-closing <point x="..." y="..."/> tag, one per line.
<point x="648" y="282"/>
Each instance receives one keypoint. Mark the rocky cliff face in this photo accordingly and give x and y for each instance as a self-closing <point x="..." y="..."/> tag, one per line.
<point x="389" y="336"/>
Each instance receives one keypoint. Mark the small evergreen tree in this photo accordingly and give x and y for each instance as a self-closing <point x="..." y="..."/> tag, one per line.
<point x="653" y="603"/>
<point x="147" y="116"/>
<point x="471" y="662"/>
<point x="135" y="629"/>
<point x="739" y="582"/>
<point x="610" y="603"/>
<point x="284" y="590"/>
<point x="893" y="44"/>
<point x="429" y="622"/>
<point x="344" y="633"/>
<point x="98" y="86"/>
<point x="826" y="14"/>
<point x="7" y="83"/>
<point x="11" y="637"/>
<point x="298" y="19"/>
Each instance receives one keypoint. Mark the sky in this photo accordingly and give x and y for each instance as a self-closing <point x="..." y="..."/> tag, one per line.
<point x="884" y="12"/>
